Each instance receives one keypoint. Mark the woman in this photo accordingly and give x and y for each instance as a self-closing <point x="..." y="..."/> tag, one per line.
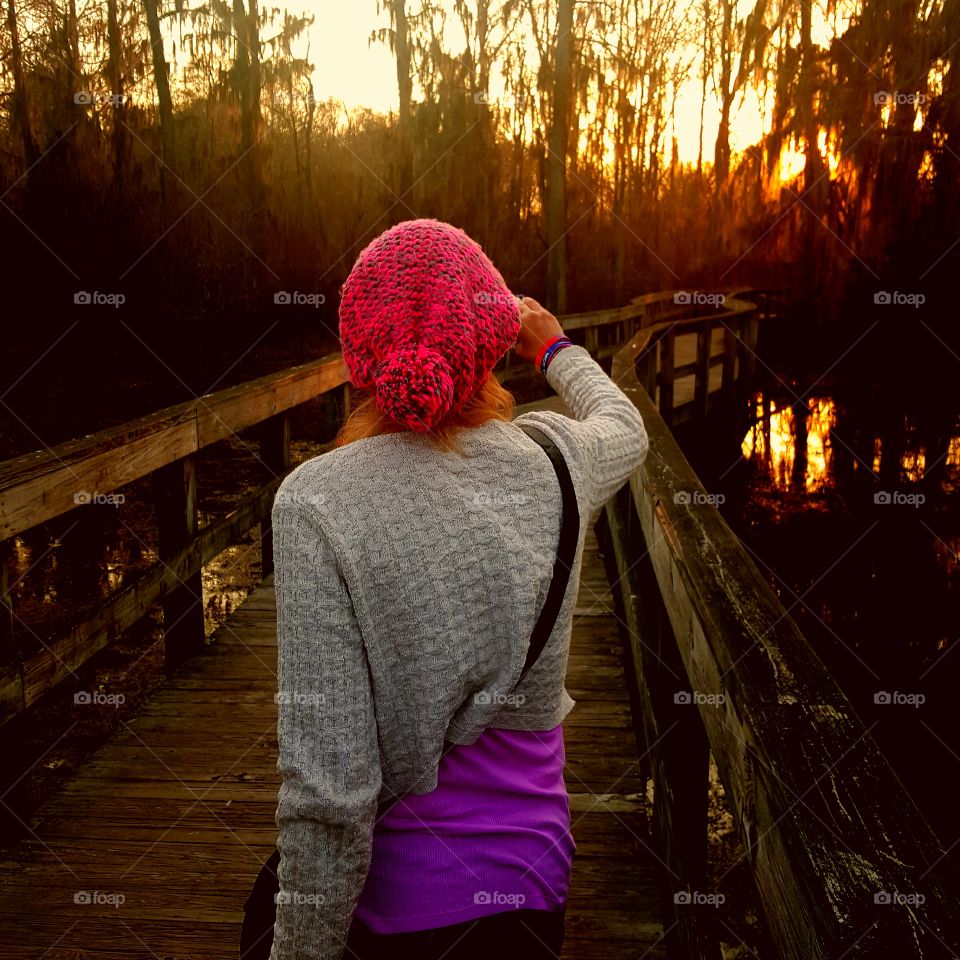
<point x="423" y="804"/>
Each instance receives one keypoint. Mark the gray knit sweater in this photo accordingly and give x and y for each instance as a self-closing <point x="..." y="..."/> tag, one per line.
<point x="408" y="583"/>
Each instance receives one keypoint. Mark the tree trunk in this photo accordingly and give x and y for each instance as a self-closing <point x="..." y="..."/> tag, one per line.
<point x="247" y="69"/>
<point x="115" y="78"/>
<point x="557" y="164"/>
<point x="162" y="81"/>
<point x="21" y="112"/>
<point x="721" y="153"/>
<point x="707" y="59"/>
<point x="398" y="12"/>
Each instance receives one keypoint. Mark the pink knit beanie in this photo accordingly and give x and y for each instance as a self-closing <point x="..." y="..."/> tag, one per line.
<point x="424" y="318"/>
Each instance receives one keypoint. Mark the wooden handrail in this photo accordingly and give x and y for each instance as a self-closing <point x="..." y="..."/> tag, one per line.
<point x="41" y="485"/>
<point x="833" y="839"/>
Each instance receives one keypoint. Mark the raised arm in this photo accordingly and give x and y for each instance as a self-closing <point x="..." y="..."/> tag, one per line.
<point x="607" y="435"/>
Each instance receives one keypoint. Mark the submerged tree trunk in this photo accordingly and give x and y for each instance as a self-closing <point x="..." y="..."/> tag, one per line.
<point x="557" y="164"/>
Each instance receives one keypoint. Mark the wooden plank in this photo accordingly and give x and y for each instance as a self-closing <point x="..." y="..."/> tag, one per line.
<point x="176" y="811"/>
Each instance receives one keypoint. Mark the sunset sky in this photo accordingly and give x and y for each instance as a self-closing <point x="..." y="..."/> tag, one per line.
<point x="350" y="69"/>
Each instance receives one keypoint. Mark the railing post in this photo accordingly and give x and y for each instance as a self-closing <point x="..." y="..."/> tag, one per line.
<point x="667" y="346"/>
<point x="175" y="497"/>
<point x="729" y="368"/>
<point x="591" y="337"/>
<point x="748" y="353"/>
<point x="274" y="461"/>
<point x="6" y="608"/>
<point x="701" y="393"/>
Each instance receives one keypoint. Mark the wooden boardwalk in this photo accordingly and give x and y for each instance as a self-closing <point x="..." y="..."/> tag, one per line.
<point x="151" y="850"/>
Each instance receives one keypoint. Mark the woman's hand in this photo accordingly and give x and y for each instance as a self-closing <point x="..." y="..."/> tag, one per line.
<point x="537" y="326"/>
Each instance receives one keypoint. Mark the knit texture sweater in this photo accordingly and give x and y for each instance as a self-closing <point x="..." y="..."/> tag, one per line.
<point x="408" y="582"/>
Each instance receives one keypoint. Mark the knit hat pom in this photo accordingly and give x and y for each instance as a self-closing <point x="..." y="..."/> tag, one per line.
<point x="415" y="387"/>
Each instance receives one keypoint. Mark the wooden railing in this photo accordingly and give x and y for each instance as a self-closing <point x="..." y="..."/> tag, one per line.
<point x="165" y="446"/>
<point x="844" y="863"/>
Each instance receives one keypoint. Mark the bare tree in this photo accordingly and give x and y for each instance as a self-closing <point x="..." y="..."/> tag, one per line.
<point x="21" y="111"/>
<point x="557" y="163"/>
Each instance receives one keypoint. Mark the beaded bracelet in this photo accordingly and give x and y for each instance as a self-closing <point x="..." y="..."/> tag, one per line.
<point x="543" y="348"/>
<point x="552" y="350"/>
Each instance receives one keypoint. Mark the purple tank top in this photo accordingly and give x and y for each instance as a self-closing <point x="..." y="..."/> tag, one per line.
<point x="494" y="835"/>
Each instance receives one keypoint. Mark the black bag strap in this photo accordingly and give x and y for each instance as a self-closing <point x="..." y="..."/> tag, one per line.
<point x="566" y="549"/>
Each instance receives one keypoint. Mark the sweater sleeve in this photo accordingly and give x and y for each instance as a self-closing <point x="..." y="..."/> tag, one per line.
<point x="607" y="435"/>
<point x="328" y="749"/>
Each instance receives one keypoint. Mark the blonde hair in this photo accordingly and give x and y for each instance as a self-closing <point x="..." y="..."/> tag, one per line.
<point x="491" y="401"/>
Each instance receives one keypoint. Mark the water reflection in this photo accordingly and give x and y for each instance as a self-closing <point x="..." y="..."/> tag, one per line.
<point x="793" y="446"/>
<point x="792" y="443"/>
